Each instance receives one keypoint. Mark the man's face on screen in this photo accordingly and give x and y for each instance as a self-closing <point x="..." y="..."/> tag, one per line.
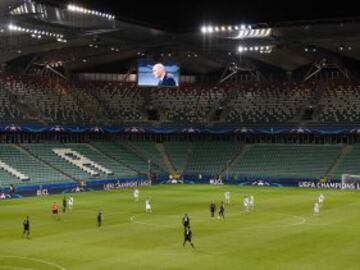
<point x="158" y="71"/>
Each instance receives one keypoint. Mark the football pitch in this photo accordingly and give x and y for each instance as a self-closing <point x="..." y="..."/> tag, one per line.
<point x="280" y="233"/>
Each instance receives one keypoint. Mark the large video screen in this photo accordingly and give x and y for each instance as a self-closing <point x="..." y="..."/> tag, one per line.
<point x="158" y="74"/>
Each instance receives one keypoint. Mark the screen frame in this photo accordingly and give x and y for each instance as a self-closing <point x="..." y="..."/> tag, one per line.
<point x="153" y="62"/>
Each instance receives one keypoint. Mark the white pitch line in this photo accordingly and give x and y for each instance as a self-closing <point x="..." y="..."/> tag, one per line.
<point x="14" y="267"/>
<point x="34" y="260"/>
<point x="301" y="222"/>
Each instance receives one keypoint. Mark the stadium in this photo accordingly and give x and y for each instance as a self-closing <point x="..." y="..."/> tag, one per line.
<point x="159" y="136"/>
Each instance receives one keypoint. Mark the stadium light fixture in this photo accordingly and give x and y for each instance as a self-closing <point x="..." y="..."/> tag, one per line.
<point x="256" y="49"/>
<point x="36" y="36"/>
<point x="61" y="40"/>
<point x="254" y="33"/>
<point x="245" y="31"/>
<point x="81" y="10"/>
<point x="71" y="7"/>
<point x="15" y="28"/>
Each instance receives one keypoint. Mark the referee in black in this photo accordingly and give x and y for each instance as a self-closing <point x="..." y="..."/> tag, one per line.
<point x="188" y="236"/>
<point x="222" y="211"/>
<point x="64" y="202"/>
<point x="26" y="225"/>
<point x="212" y="209"/>
<point x="99" y="218"/>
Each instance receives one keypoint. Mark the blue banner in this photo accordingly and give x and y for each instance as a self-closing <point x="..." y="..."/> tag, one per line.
<point x="107" y="185"/>
<point x="189" y="130"/>
<point x="91" y="185"/>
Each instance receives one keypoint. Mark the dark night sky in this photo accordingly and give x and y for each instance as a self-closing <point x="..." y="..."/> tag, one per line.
<point x="190" y="15"/>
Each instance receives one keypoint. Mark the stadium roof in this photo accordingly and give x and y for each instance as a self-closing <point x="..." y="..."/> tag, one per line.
<point x="98" y="40"/>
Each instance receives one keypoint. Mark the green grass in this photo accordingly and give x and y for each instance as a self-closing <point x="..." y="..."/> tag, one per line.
<point x="274" y="236"/>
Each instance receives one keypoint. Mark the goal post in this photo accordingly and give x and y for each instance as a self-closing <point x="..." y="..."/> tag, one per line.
<point x="350" y="181"/>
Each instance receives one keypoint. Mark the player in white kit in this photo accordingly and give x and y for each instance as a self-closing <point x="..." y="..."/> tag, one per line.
<point x="321" y="199"/>
<point x="71" y="202"/>
<point x="316" y="209"/>
<point x="136" y="195"/>
<point x="148" y="206"/>
<point x="251" y="202"/>
<point x="246" y="203"/>
<point x="227" y="197"/>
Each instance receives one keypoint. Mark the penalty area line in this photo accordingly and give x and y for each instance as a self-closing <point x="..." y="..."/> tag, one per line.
<point x="55" y="265"/>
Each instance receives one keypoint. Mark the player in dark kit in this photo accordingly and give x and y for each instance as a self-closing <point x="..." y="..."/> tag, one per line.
<point x="222" y="210"/>
<point x="188" y="236"/>
<point x="99" y="218"/>
<point x="186" y="221"/>
<point x="212" y="209"/>
<point x="64" y="202"/>
<point x="26" y="225"/>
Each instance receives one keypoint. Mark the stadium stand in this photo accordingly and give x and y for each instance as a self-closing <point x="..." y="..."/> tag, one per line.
<point x="46" y="152"/>
<point x="210" y="158"/>
<point x="268" y="103"/>
<point x="274" y="160"/>
<point x="123" y="154"/>
<point x="350" y="163"/>
<point x="178" y="153"/>
<point x="191" y="104"/>
<point x="34" y="99"/>
<point x="340" y="103"/>
<point x="37" y="171"/>
<point x="52" y="98"/>
<point x="119" y="102"/>
<point x="148" y="151"/>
